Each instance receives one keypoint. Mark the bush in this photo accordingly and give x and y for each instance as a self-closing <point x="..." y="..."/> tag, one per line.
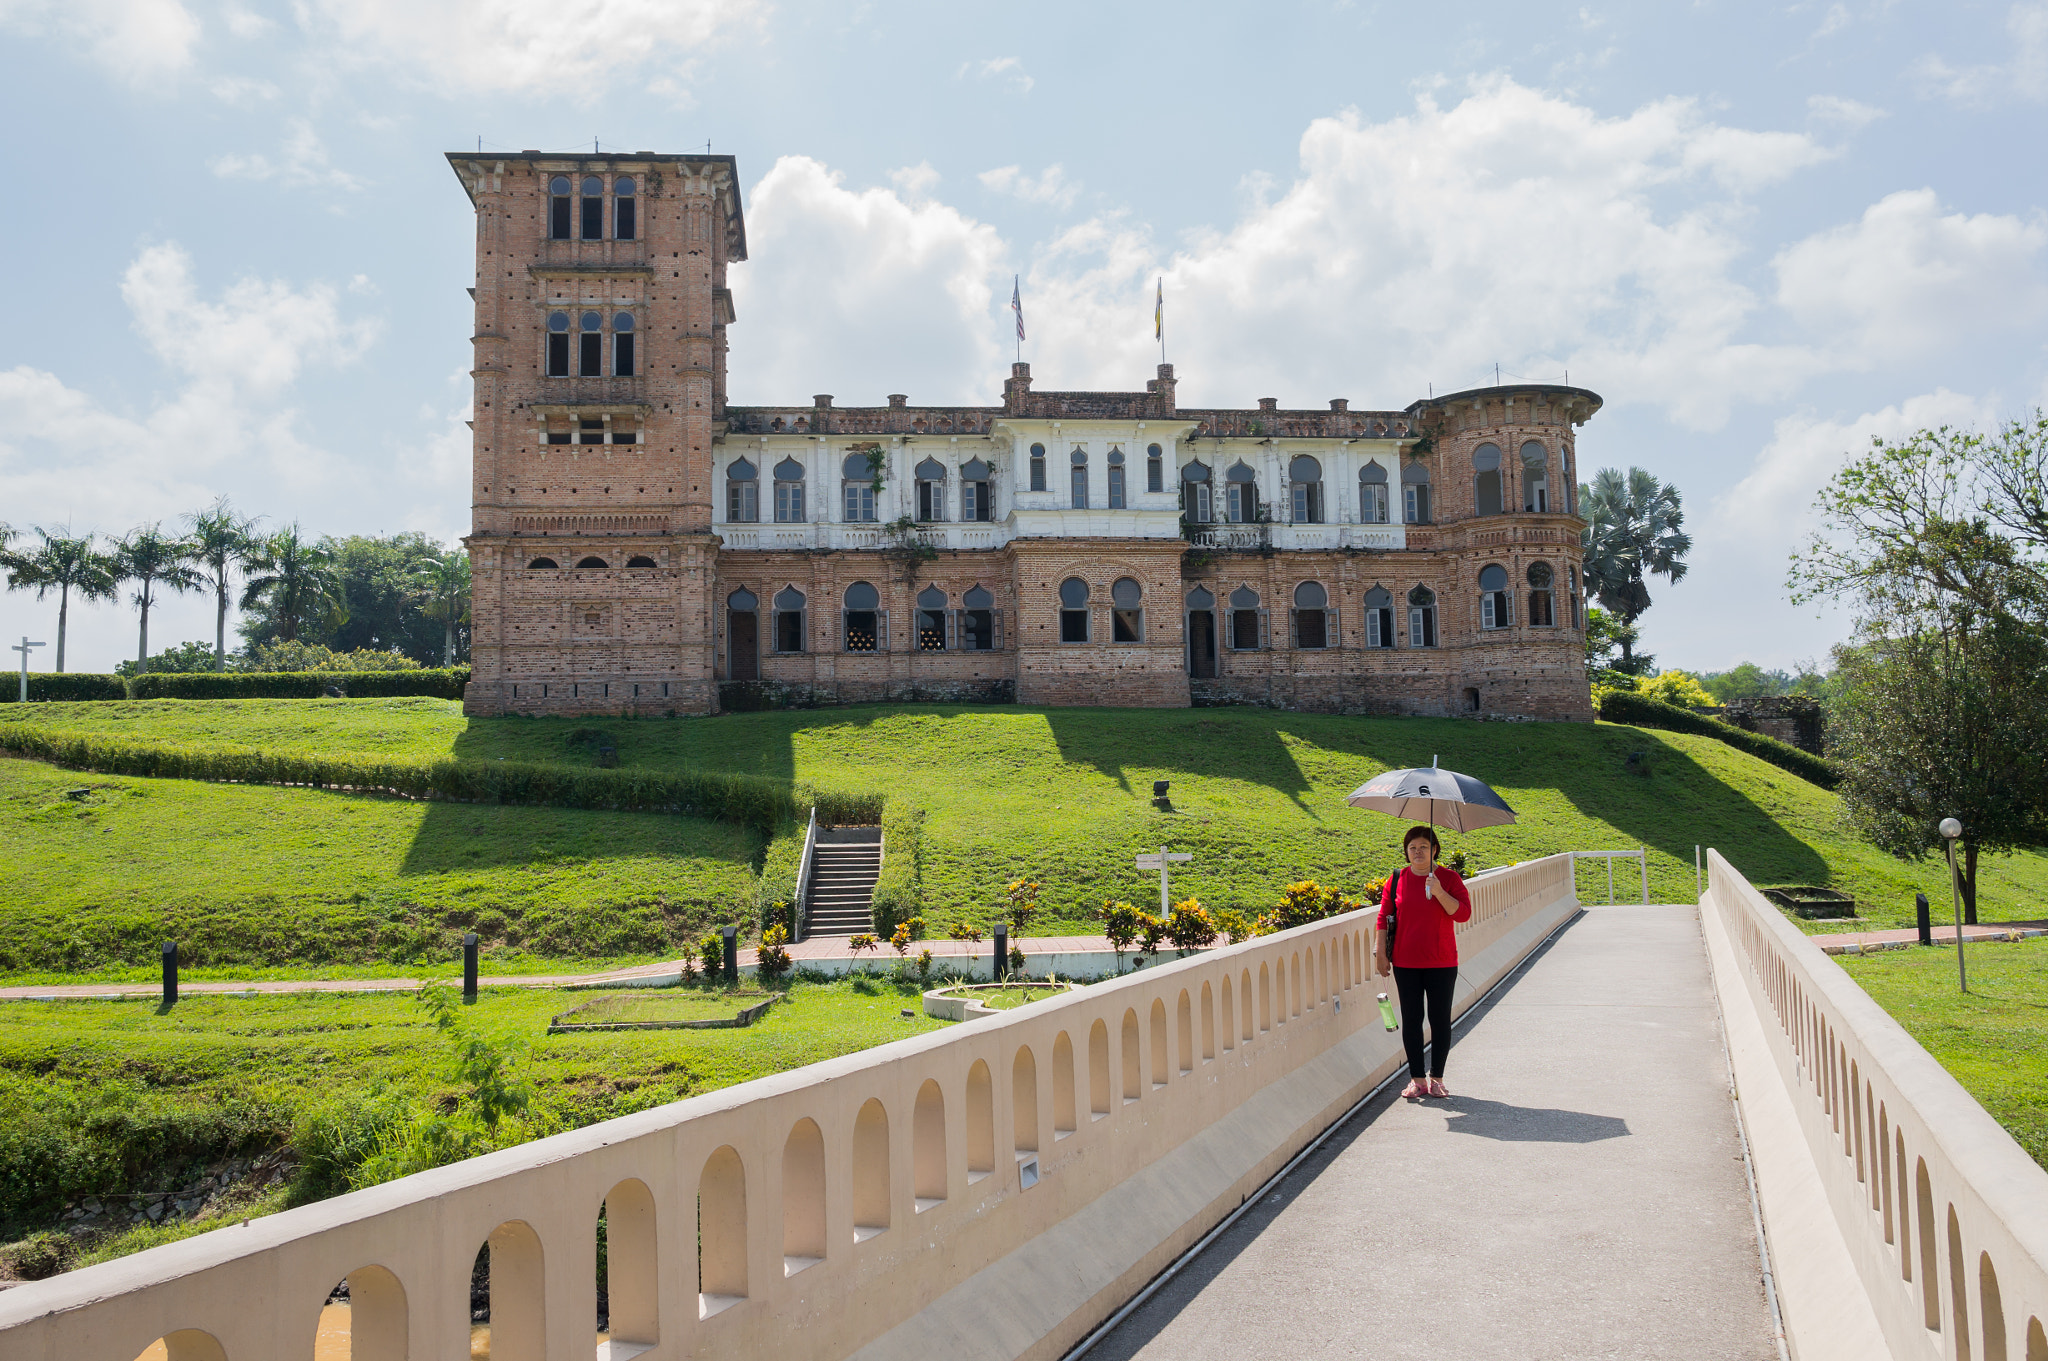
<point x="1676" y="687"/>
<point x="1617" y="706"/>
<point x="899" y="887"/>
<point x="711" y="954"/>
<point x="841" y="808"/>
<point x="780" y="864"/>
<point x="1305" y="902"/>
<point x="772" y="960"/>
<point x="303" y="656"/>
<point x="57" y="687"/>
<point x="445" y="683"/>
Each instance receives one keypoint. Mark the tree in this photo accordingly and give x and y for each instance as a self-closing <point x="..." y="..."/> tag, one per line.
<point x="1632" y="533"/>
<point x="154" y="561"/>
<point x="69" y="566"/>
<point x="380" y="605"/>
<point x="442" y="590"/>
<point x="1605" y="634"/>
<point x="295" y="581"/>
<point x="1676" y="687"/>
<point x="184" y="659"/>
<point x="221" y="541"/>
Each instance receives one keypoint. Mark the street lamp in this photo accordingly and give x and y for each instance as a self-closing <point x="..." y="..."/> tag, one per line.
<point x="1950" y="830"/>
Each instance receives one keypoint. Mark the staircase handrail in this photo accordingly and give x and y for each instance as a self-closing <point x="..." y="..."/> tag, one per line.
<point x="803" y="877"/>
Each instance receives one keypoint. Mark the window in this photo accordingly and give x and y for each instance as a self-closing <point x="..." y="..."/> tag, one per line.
<point x="931" y="490"/>
<point x="1494" y="597"/>
<point x="1155" y="468"/>
<point x="789" y="492"/>
<point x="625" y="222"/>
<point x="742" y="493"/>
<point x="558" y="208"/>
<point x="622" y="345"/>
<point x="931" y="620"/>
<point x="641" y="560"/>
<point x="1196" y="498"/>
<point x="1073" y="610"/>
<point x="1038" y="467"/>
<point x="589" y="431"/>
<point x="590" y="346"/>
<point x="978" y="620"/>
<point x="1241" y="495"/>
<point x="1079" y="480"/>
<point x="539" y="563"/>
<point x="1422" y="617"/>
<point x="1247" y="621"/>
<point x="561" y="437"/>
<point x="975" y="503"/>
<point x="1415" y="494"/>
<point x="1535" y="479"/>
<point x="1116" y="479"/>
<point x="864" y="622"/>
<point x="1127" y="615"/>
<point x="558" y="344"/>
<point x="859" y="489"/>
<point x="1311" y="615"/>
<point x="1572" y="593"/>
<point x="1486" y="480"/>
<point x="593" y="208"/>
<point x="621" y="435"/>
<point x="1541" y="615"/>
<point x="1305" y="490"/>
<point x="1379" y="618"/>
<point x="592" y="562"/>
<point x="1372" y="495"/>
<point x="789" y="620"/>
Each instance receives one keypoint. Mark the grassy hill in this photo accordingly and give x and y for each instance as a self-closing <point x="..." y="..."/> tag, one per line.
<point x="1059" y="795"/>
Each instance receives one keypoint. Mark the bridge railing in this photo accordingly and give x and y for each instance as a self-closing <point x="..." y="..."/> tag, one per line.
<point x="841" y="1206"/>
<point x="1944" y="1215"/>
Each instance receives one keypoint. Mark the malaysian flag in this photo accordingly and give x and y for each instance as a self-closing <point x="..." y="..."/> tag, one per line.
<point x="1017" y="304"/>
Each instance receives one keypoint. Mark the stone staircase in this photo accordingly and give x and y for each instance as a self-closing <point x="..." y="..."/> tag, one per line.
<point x="842" y="889"/>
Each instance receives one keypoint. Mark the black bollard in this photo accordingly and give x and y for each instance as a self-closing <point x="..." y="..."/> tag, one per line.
<point x="170" y="973"/>
<point x="732" y="952"/>
<point x="1920" y="916"/>
<point x="469" y="967"/>
<point x="1001" y="963"/>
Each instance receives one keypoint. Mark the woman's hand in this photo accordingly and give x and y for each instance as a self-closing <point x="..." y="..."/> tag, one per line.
<point x="1381" y="963"/>
<point x="1441" y="894"/>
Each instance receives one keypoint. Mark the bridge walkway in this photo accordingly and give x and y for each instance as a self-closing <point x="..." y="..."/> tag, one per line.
<point x="1583" y="1192"/>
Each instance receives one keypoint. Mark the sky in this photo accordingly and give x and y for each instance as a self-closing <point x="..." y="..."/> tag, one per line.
<point x="1765" y="234"/>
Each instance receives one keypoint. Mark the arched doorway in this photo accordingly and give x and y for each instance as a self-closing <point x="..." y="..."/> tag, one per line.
<point x="743" y="636"/>
<point x="1201" y="634"/>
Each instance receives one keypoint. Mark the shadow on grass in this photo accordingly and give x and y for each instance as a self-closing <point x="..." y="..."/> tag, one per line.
<point x="1222" y="743"/>
<point x="454" y="837"/>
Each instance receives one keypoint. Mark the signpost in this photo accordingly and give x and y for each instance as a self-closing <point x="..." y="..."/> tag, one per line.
<point x="22" y="647"/>
<point x="1159" y="862"/>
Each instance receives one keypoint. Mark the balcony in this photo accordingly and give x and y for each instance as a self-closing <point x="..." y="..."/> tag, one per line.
<point x="591" y="392"/>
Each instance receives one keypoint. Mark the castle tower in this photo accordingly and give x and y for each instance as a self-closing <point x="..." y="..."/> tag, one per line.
<point x="601" y="308"/>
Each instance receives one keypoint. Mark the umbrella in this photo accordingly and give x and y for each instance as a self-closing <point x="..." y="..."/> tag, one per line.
<point x="1443" y="798"/>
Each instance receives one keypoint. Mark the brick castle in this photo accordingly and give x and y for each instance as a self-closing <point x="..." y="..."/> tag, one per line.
<point x="639" y="546"/>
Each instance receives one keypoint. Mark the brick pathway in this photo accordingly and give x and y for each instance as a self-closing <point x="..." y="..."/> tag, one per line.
<point x="1868" y="942"/>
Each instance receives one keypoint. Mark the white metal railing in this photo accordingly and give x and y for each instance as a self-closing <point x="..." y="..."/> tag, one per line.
<point x="1641" y="853"/>
<point x="803" y="877"/>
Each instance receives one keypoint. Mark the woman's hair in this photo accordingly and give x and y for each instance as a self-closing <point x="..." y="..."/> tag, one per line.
<point x="1419" y="833"/>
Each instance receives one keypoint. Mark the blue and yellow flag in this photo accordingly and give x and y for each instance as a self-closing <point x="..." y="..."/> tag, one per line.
<point x="1159" y="311"/>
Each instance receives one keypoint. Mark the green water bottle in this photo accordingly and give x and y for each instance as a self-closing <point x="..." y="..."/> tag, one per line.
<point x="1387" y="1013"/>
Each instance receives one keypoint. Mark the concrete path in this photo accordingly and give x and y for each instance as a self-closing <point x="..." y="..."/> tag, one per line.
<point x="1582" y="1193"/>
<point x="1866" y="942"/>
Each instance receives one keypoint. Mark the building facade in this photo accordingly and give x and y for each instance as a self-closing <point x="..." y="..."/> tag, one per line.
<point x="638" y="545"/>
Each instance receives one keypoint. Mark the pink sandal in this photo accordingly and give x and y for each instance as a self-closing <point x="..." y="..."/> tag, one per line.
<point x="1415" y="1090"/>
<point x="1436" y="1087"/>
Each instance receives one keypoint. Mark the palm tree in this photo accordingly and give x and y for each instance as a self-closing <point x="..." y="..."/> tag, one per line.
<point x="297" y="579"/>
<point x="153" y="560"/>
<point x="442" y="588"/>
<point x="67" y="564"/>
<point x="221" y="540"/>
<point x="1632" y="533"/>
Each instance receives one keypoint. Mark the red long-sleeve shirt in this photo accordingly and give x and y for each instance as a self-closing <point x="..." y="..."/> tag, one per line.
<point x="1425" y="937"/>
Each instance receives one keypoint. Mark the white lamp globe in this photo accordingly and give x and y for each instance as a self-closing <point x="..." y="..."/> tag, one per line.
<point x="1951" y="829"/>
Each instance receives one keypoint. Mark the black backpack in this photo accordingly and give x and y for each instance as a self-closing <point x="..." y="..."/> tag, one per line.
<point x="1387" y="899"/>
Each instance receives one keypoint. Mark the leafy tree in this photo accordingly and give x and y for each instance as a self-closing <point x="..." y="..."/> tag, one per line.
<point x="221" y="542"/>
<point x="1633" y="532"/>
<point x="1676" y="687"/>
<point x="293" y="580"/>
<point x="67" y="565"/>
<point x="1605" y="635"/>
<point x="1745" y="681"/>
<point x="300" y="656"/>
<point x="183" y="659"/>
<point x="441" y="586"/>
<point x="154" y="561"/>
<point x="379" y="602"/>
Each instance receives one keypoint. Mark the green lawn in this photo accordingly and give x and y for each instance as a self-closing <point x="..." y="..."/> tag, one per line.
<point x="1994" y="1040"/>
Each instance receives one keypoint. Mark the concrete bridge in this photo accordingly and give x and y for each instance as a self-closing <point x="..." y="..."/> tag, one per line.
<point x="1677" y="1132"/>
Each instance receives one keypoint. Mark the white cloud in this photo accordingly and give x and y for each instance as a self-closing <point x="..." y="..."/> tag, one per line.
<point x="246" y="23"/>
<point x="1050" y="185"/>
<point x="2023" y="75"/>
<point x="915" y="182"/>
<point x="1008" y="71"/>
<point x="1907" y="278"/>
<point x="139" y="42"/>
<point x="302" y="164"/>
<point x="1846" y="114"/>
<point x="1833" y="22"/>
<point x="244" y="92"/>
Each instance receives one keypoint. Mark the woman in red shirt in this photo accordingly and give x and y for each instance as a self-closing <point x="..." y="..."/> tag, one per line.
<point x="1425" y="900"/>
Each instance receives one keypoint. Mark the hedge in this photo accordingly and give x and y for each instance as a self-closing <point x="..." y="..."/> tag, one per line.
<point x="749" y="800"/>
<point x="841" y="808"/>
<point x="1624" y="706"/>
<point x="899" y="889"/>
<point x="443" y="683"/>
<point x="62" y="685"/>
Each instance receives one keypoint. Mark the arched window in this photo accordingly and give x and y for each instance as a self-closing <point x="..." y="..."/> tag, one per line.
<point x="979" y="621"/>
<point x="558" y="209"/>
<point x="866" y="626"/>
<point x="625" y="221"/>
<point x="931" y="490"/>
<point x="1038" y="467"/>
<point x="975" y="502"/>
<point x="742" y="636"/>
<point x="1197" y="497"/>
<point x="1486" y="480"/>
<point x="558" y="344"/>
<point x="590" y="345"/>
<point x="857" y="489"/>
<point x="1116" y="479"/>
<point x="622" y="345"/>
<point x="1372" y="495"/>
<point x="742" y="492"/>
<point x="789" y="492"/>
<point x="1422" y="617"/>
<point x="1312" y="616"/>
<point x="641" y="560"/>
<point x="1073" y="610"/>
<point x="1305" y="490"/>
<point x="931" y="620"/>
<point x="1379" y="618"/>
<point x="1571" y="593"/>
<point x="539" y="563"/>
<point x="1127" y="614"/>
<point x="1535" y="479"/>
<point x="1541" y="615"/>
<point x="1201" y="626"/>
<point x="1241" y="494"/>
<point x="1415" y="494"/>
<point x="593" y="208"/>
<point x="1155" y="468"/>
<point x="1247" y="621"/>
<point x="592" y="561"/>
<point x="789" y="620"/>
<point x="1494" y="597"/>
<point x="1078" y="488"/>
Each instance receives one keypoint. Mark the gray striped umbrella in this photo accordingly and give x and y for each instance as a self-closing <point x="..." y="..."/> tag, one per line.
<point x="1442" y="798"/>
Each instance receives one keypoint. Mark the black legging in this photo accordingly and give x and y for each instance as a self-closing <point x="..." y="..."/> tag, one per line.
<point x="1434" y="986"/>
